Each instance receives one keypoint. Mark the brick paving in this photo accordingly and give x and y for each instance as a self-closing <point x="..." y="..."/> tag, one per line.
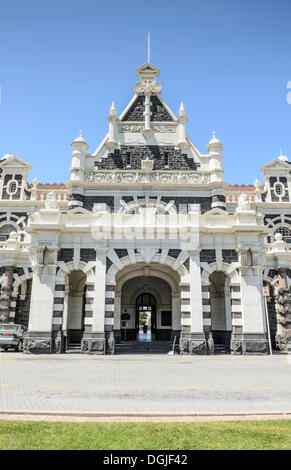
<point x="144" y="385"/>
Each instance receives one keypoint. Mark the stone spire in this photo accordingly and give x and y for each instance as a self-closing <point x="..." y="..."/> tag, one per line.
<point x="113" y="120"/>
<point x="182" y="119"/>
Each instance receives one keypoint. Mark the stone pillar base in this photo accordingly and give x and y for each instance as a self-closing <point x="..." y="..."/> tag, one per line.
<point x="283" y="343"/>
<point x="194" y="343"/>
<point x="236" y="343"/>
<point x="38" y="342"/>
<point x="98" y="343"/>
<point x="255" y="343"/>
<point x="93" y="343"/>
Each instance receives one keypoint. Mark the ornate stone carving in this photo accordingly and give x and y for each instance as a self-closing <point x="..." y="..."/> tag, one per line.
<point x="93" y="346"/>
<point x="235" y="346"/>
<point x="184" y="346"/>
<point x="210" y="345"/>
<point x="156" y="177"/>
<point x="284" y="312"/>
<point x="59" y="343"/>
<point x="197" y="346"/>
<point x="38" y="346"/>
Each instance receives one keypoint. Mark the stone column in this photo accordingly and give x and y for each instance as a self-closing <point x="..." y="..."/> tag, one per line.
<point x="196" y="336"/>
<point x="117" y="317"/>
<point x="6" y="294"/>
<point x="176" y="316"/>
<point x="95" y="342"/>
<point x="253" y="315"/>
<point x="39" y="337"/>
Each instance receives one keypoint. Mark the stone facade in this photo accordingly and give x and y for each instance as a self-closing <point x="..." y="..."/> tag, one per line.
<point x="146" y="228"/>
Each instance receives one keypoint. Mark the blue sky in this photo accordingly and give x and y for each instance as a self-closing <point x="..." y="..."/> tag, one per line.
<point x="63" y="62"/>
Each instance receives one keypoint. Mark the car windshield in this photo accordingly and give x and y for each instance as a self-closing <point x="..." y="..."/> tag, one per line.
<point x="8" y="327"/>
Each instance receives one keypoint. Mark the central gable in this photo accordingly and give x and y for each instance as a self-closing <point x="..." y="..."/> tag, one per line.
<point x="158" y="111"/>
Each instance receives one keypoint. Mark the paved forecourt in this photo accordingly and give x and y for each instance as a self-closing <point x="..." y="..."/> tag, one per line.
<point x="145" y="384"/>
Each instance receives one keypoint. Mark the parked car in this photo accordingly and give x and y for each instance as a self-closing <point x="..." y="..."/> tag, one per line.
<point x="11" y="336"/>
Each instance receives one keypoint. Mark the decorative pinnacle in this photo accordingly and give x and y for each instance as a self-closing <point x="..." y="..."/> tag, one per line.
<point x="113" y="109"/>
<point x="81" y="133"/>
<point x="182" y="111"/>
<point x="257" y="184"/>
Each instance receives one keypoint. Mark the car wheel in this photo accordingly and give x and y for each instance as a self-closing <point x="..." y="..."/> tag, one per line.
<point x="5" y="348"/>
<point x="19" y="347"/>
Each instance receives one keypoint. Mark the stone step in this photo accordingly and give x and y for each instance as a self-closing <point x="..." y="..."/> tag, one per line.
<point x="221" y="349"/>
<point x="144" y="347"/>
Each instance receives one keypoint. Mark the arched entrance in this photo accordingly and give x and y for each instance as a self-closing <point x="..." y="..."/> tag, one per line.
<point x="74" y="327"/>
<point x="162" y="285"/>
<point x="146" y="295"/>
<point x="146" y="317"/>
<point x="220" y="307"/>
<point x="23" y="303"/>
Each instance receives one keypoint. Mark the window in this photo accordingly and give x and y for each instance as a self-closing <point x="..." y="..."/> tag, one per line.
<point x="279" y="189"/>
<point x="128" y="160"/>
<point x="286" y="234"/>
<point x="12" y="187"/>
<point x="5" y="232"/>
<point x="166" y="158"/>
<point x="166" y="318"/>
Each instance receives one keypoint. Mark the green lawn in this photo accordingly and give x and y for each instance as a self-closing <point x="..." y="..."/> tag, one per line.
<point x="138" y="436"/>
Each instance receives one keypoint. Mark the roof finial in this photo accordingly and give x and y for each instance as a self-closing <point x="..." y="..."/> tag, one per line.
<point x="182" y="111"/>
<point x="149" y="46"/>
<point x="113" y="109"/>
<point x="81" y="133"/>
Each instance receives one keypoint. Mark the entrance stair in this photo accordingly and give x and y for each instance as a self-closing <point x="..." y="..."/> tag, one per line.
<point x="73" y="347"/>
<point x="221" y="349"/>
<point x="145" y="347"/>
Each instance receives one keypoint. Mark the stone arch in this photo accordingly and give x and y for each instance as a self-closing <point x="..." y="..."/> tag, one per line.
<point x="64" y="269"/>
<point x="140" y="270"/>
<point x="271" y="280"/>
<point x="150" y="290"/>
<point x="20" y="279"/>
<point x="166" y="208"/>
<point x="157" y="259"/>
<point x="165" y="274"/>
<point x="230" y="270"/>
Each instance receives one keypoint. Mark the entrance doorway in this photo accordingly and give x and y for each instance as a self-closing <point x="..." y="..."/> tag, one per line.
<point x="146" y="313"/>
<point x="220" y="307"/>
<point x="145" y="317"/>
<point x="74" y="327"/>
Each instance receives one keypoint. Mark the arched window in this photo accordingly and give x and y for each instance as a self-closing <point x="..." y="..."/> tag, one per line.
<point x="286" y="234"/>
<point x="5" y="232"/>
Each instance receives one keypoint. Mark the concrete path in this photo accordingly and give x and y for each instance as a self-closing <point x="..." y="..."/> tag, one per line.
<point x="145" y="384"/>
